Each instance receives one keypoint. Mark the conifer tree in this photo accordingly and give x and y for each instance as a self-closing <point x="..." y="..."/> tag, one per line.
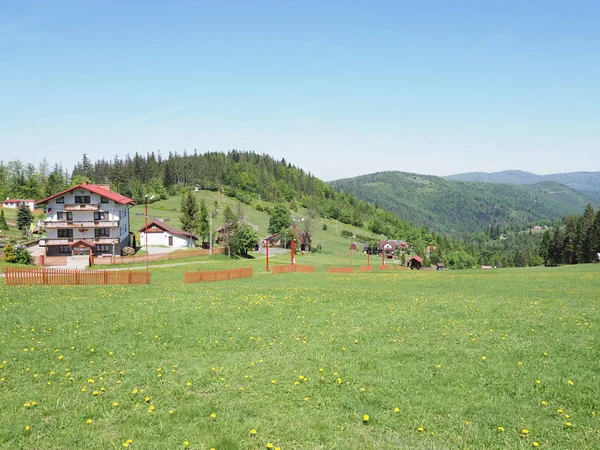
<point x="189" y="211"/>
<point x="3" y="224"/>
<point x="24" y="217"/>
<point x="203" y="222"/>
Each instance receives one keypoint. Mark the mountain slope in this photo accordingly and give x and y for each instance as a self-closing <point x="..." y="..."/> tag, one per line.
<point x="458" y="206"/>
<point x="585" y="182"/>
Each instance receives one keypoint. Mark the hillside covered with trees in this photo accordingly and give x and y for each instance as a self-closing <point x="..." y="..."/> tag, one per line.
<point x="458" y="206"/>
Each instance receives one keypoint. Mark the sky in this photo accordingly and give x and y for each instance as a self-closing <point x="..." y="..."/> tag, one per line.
<point x="337" y="88"/>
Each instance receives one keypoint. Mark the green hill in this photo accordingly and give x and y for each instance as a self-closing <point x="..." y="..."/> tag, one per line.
<point x="587" y="183"/>
<point x="459" y="206"/>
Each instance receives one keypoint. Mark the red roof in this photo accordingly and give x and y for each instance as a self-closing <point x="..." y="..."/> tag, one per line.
<point x="417" y="258"/>
<point x="11" y="200"/>
<point x="94" y="188"/>
<point x="168" y="229"/>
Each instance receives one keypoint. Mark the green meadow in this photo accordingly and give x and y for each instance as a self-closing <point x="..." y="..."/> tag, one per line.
<point x="454" y="359"/>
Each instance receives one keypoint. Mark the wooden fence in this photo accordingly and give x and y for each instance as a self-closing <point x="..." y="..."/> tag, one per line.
<point x="50" y="260"/>
<point x="366" y="268"/>
<point x="18" y="276"/>
<point x="217" y="275"/>
<point x="110" y="260"/>
<point x="340" y="270"/>
<point x="288" y="268"/>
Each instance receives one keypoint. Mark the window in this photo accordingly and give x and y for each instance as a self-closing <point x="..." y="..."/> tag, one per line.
<point x="61" y="215"/>
<point x="103" y="249"/>
<point x="102" y="215"/>
<point x="64" y="249"/>
<point x="102" y="232"/>
<point x="82" y="199"/>
<point x="60" y="200"/>
<point x="103" y="200"/>
<point x="65" y="233"/>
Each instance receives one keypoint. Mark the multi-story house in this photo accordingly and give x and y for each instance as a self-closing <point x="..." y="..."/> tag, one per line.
<point x="84" y="219"/>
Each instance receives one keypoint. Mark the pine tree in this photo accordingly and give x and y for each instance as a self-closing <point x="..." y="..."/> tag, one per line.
<point x="24" y="217"/>
<point x="544" y="250"/>
<point x="594" y="237"/>
<point x="229" y="224"/>
<point x="584" y="250"/>
<point x="189" y="211"/>
<point x="203" y="222"/>
<point x="3" y="224"/>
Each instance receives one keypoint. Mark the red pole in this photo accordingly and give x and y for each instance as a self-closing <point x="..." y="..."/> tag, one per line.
<point x="267" y="254"/>
<point x="383" y="257"/>
<point x="293" y="244"/>
<point x="146" y="232"/>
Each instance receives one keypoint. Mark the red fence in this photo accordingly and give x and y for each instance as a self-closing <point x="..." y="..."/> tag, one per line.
<point x="110" y="260"/>
<point x="50" y="260"/>
<point x="366" y="268"/>
<point x="217" y="275"/>
<point x="340" y="270"/>
<point x="20" y="276"/>
<point x="386" y="267"/>
<point x="287" y="268"/>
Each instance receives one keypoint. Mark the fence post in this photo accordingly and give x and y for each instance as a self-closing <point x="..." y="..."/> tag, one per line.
<point x="129" y="277"/>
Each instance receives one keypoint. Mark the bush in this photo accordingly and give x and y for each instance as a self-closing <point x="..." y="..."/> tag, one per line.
<point x="128" y="251"/>
<point x="324" y="227"/>
<point x="17" y="254"/>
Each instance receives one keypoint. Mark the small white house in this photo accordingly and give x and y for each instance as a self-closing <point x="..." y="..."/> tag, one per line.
<point x="15" y="203"/>
<point x="159" y="233"/>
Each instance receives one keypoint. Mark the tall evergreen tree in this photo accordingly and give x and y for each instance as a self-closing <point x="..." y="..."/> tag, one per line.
<point x="584" y="249"/>
<point x="3" y="224"/>
<point x="595" y="237"/>
<point x="24" y="217"/>
<point x="189" y="211"/>
<point x="544" y="250"/>
<point x="203" y="222"/>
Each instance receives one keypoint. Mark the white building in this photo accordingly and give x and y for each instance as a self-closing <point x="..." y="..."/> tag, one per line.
<point x="159" y="233"/>
<point x="84" y="219"/>
<point x="15" y="203"/>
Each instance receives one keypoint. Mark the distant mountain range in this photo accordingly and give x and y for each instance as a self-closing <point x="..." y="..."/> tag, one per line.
<point x="585" y="182"/>
<point x="449" y="205"/>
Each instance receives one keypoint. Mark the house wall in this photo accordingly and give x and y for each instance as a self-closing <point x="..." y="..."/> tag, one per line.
<point x="12" y="205"/>
<point x="163" y="239"/>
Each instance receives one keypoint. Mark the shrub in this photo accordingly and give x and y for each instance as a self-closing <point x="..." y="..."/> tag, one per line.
<point x="128" y="251"/>
<point x="324" y="227"/>
<point x="17" y="254"/>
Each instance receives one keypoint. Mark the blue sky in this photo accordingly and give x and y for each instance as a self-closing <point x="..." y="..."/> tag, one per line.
<point x="338" y="88"/>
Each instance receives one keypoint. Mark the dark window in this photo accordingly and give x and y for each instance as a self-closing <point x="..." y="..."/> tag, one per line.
<point x="64" y="249"/>
<point x="82" y="199"/>
<point x="60" y="200"/>
<point x="62" y="215"/>
<point x="65" y="233"/>
<point x="103" y="200"/>
<point x="102" y="215"/>
<point x="102" y="232"/>
<point x="102" y="248"/>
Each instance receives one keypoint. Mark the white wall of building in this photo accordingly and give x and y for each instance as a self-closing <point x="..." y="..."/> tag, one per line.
<point x="163" y="239"/>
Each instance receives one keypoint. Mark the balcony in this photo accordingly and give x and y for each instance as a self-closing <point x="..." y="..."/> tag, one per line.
<point x="53" y="224"/>
<point x="82" y="207"/>
<point x="69" y="241"/>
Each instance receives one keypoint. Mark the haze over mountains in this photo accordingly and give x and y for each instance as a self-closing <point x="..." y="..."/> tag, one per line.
<point x="449" y="205"/>
<point x="585" y="182"/>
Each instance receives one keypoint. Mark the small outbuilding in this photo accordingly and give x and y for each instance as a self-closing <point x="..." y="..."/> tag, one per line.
<point x="415" y="262"/>
<point x="440" y="266"/>
<point x="15" y="203"/>
<point x="159" y="233"/>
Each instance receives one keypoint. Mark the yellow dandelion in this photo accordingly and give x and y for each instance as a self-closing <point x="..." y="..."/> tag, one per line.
<point x="571" y="382"/>
<point x="500" y="429"/>
<point x="483" y="358"/>
<point x="115" y="403"/>
<point x="524" y="431"/>
<point x="252" y="432"/>
<point x="396" y="409"/>
<point x="186" y="443"/>
<point x="535" y="444"/>
<point x="366" y="418"/>
<point x="89" y="421"/>
<point x="420" y="429"/>
<point x="134" y="391"/>
<point x="269" y="445"/>
<point x="27" y="427"/>
<point x="213" y="415"/>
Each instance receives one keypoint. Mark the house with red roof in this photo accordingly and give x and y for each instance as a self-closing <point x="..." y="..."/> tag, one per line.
<point x="86" y="219"/>
<point x="159" y="233"/>
<point x="14" y="203"/>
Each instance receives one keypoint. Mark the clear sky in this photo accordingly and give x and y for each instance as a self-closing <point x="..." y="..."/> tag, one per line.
<point x="338" y="88"/>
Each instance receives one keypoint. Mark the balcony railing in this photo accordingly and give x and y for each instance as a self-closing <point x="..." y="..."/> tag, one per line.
<point x="81" y="207"/>
<point x="81" y="223"/>
<point x="69" y="241"/>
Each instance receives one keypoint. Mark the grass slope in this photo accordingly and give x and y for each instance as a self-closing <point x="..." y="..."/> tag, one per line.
<point x="467" y="359"/>
<point x="458" y="206"/>
<point x="329" y="239"/>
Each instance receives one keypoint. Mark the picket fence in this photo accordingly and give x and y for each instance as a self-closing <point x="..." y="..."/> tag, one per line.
<point x="288" y="268"/>
<point x="110" y="260"/>
<point x="22" y="276"/>
<point x="217" y="275"/>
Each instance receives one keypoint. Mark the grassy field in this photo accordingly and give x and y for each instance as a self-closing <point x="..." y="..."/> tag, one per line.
<point x="455" y="359"/>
